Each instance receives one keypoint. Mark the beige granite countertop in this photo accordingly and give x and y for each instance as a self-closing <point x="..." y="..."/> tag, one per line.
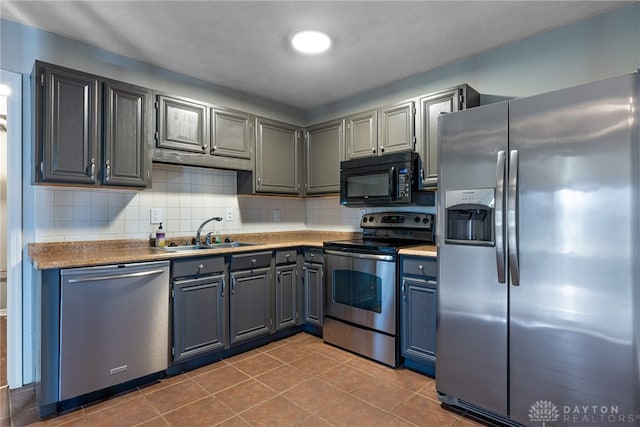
<point x="424" y="250"/>
<point x="103" y="252"/>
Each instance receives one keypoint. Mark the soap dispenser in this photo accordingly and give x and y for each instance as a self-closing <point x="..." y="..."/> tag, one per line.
<point x="160" y="240"/>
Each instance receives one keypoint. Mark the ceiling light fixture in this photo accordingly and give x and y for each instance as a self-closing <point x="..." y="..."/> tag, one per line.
<point x="311" y="42"/>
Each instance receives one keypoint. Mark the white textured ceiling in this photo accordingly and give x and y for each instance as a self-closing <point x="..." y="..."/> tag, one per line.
<point x="244" y="45"/>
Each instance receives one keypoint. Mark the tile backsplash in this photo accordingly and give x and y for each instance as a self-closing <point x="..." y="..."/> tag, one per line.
<point x="187" y="196"/>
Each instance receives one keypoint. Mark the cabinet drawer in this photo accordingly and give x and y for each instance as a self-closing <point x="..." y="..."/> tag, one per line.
<point x="251" y="261"/>
<point x="313" y="255"/>
<point x="286" y="256"/>
<point x="197" y="266"/>
<point x="420" y="266"/>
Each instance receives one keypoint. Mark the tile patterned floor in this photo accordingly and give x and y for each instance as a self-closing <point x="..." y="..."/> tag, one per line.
<point x="298" y="381"/>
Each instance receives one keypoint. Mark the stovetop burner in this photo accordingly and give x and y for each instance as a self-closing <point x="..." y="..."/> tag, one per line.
<point x="387" y="232"/>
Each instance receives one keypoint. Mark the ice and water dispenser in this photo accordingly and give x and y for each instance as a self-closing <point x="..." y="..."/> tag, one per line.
<point x="470" y="216"/>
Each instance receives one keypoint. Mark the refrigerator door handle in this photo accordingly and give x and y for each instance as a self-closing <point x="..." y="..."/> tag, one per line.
<point x="512" y="218"/>
<point x="499" y="216"/>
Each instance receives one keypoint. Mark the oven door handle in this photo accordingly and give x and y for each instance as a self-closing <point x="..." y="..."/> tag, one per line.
<point x="360" y="255"/>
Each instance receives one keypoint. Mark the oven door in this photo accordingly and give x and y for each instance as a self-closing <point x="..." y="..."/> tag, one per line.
<point x="361" y="289"/>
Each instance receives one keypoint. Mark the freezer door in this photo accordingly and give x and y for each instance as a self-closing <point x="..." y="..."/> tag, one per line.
<point x="471" y="338"/>
<point x="574" y="314"/>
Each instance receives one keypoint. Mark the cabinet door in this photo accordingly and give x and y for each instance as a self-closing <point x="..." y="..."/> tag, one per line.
<point x="250" y="304"/>
<point x="313" y="293"/>
<point x="230" y="134"/>
<point x="419" y="311"/>
<point x="182" y="125"/>
<point x="362" y="135"/>
<point x="198" y="317"/>
<point x="277" y="157"/>
<point x="286" y="296"/>
<point x="324" y="146"/>
<point x="397" y="131"/>
<point x="126" y="131"/>
<point x="66" y="125"/>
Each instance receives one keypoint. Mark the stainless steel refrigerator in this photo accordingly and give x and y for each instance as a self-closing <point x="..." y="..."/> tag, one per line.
<point x="539" y="257"/>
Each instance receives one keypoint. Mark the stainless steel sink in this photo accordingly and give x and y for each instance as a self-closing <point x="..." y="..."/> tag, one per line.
<point x="187" y="248"/>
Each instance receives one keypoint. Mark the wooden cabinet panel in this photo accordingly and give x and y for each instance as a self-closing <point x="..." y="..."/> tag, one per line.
<point x="323" y="147"/>
<point x="126" y="130"/>
<point x="182" y="124"/>
<point x="230" y="133"/>
<point x="198" y="317"/>
<point x="66" y="125"/>
<point x="362" y="134"/>
<point x="397" y="131"/>
<point x="277" y="157"/>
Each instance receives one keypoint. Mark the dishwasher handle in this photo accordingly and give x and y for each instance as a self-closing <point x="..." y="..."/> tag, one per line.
<point x="116" y="276"/>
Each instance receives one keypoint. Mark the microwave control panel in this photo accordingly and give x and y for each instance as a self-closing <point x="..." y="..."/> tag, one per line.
<point x="404" y="182"/>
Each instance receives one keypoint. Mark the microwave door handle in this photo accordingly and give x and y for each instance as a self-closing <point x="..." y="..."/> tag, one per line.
<point x="393" y="191"/>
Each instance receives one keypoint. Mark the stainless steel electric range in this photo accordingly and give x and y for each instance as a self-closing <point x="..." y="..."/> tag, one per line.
<point x="362" y="305"/>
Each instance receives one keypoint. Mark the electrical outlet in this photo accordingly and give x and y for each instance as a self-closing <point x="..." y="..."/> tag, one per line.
<point x="156" y="216"/>
<point x="228" y="214"/>
<point x="276" y="215"/>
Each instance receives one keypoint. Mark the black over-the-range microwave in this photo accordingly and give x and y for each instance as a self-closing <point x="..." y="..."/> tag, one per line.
<point x="387" y="180"/>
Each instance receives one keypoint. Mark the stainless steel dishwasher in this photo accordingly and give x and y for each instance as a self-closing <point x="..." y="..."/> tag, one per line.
<point x="114" y="325"/>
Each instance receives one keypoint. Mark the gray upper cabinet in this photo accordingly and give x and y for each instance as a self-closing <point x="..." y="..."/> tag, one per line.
<point x="182" y="124"/>
<point x="430" y="107"/>
<point x="66" y="121"/>
<point x="89" y="130"/>
<point x="397" y="129"/>
<point x="324" y="145"/>
<point x="389" y="129"/>
<point x="230" y="133"/>
<point x="362" y="135"/>
<point x="127" y="127"/>
<point x="277" y="157"/>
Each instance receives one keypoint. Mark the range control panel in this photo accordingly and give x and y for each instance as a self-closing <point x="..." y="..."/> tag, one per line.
<point x="398" y="220"/>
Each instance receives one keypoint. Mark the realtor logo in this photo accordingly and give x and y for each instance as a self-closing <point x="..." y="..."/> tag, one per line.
<point x="544" y="410"/>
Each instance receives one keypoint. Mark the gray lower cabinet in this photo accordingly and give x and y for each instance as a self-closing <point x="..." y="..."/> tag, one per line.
<point x="313" y="281"/>
<point x="198" y="292"/>
<point x="89" y="130"/>
<point x="286" y="283"/>
<point x="430" y="107"/>
<point x="250" y="297"/>
<point x="324" y="148"/>
<point x="418" y="312"/>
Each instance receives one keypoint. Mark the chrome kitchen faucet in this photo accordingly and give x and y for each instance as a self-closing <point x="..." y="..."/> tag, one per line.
<point x="215" y="218"/>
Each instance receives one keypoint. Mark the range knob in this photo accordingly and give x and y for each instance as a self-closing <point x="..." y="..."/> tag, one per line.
<point x="426" y="220"/>
<point x="416" y="219"/>
<point x="370" y="219"/>
<point x="364" y="219"/>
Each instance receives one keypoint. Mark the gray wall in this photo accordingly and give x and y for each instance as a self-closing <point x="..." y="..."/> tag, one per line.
<point x="603" y="46"/>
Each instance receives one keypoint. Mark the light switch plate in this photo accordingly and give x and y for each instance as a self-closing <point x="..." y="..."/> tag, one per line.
<point x="156" y="216"/>
<point x="276" y="215"/>
<point x="228" y="214"/>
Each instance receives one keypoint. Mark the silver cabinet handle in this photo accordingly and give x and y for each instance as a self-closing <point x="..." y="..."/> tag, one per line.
<point x="233" y="285"/>
<point x="420" y="267"/>
<point x="204" y="147"/>
<point x="92" y="169"/>
<point x="382" y="149"/>
<point x="214" y="148"/>
<point x="512" y="218"/>
<point x="373" y="150"/>
<point x="108" y="168"/>
<point x="116" y="276"/>
<point x="499" y="216"/>
<point x="222" y="288"/>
